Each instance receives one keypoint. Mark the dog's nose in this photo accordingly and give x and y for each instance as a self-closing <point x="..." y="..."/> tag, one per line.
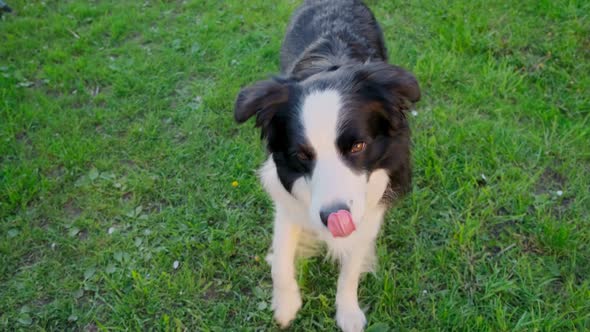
<point x="326" y="211"/>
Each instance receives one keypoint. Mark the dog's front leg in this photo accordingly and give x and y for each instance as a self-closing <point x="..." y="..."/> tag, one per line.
<point x="349" y="316"/>
<point x="286" y="299"/>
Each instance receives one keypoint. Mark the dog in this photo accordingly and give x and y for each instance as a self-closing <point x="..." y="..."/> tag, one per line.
<point x="338" y="141"/>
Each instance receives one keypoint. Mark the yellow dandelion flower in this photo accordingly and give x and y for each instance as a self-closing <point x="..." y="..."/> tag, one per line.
<point x="234" y="184"/>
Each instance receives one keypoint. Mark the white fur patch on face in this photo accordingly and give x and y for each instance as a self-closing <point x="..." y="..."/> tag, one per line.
<point x="332" y="181"/>
<point x="320" y="112"/>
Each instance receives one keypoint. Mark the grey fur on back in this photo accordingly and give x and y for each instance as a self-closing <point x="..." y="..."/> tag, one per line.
<point x="330" y="33"/>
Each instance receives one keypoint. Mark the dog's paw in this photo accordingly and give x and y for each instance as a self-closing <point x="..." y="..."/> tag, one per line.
<point x="351" y="319"/>
<point x="285" y="304"/>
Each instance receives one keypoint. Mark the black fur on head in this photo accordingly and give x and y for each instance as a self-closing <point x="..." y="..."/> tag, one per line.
<point x="262" y="99"/>
<point x="377" y="96"/>
<point x="393" y="79"/>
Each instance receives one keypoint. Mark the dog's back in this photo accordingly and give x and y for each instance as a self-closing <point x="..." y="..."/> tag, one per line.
<point x="330" y="33"/>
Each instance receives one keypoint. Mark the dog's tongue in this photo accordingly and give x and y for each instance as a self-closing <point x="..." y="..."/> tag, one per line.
<point x="340" y="223"/>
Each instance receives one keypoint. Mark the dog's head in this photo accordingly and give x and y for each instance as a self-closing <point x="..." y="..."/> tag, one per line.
<point x="340" y="138"/>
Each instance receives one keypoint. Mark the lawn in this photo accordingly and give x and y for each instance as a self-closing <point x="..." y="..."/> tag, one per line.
<point x="129" y="198"/>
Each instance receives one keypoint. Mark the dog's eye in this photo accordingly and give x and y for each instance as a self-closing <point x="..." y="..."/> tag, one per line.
<point x="358" y="147"/>
<point x="303" y="155"/>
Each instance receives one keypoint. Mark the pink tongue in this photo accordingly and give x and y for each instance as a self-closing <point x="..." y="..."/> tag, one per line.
<point x="340" y="223"/>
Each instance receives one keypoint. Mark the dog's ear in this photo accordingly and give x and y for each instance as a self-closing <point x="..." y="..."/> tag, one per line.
<point x="396" y="80"/>
<point x="262" y="99"/>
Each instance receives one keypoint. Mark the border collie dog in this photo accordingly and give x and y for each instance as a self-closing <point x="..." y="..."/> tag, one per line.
<point x="338" y="146"/>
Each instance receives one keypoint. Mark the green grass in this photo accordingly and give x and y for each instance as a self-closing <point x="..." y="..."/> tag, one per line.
<point x="118" y="151"/>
